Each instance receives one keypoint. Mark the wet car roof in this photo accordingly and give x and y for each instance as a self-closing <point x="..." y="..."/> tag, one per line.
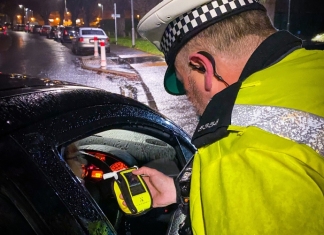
<point x="15" y="81"/>
<point x="25" y="100"/>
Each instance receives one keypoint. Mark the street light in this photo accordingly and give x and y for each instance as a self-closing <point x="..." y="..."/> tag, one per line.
<point x="288" y="21"/>
<point x="65" y="11"/>
<point x="26" y="9"/>
<point x="32" y="14"/>
<point x="133" y="30"/>
<point x="101" y="5"/>
<point x="22" y="6"/>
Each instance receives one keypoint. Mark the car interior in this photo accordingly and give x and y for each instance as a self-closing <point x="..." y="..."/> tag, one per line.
<point x="115" y="150"/>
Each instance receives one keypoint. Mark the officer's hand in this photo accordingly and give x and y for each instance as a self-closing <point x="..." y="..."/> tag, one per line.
<point x="161" y="186"/>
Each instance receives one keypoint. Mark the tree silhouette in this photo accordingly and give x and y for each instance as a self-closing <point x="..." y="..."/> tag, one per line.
<point x="10" y="8"/>
<point x="74" y="7"/>
<point x="144" y="6"/>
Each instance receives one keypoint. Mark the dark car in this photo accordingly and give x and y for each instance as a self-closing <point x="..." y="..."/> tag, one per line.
<point x="68" y="33"/>
<point x="314" y="43"/>
<point x="51" y="32"/>
<point x="37" y="28"/>
<point x="8" y="25"/>
<point x="19" y="27"/>
<point x="27" y="27"/>
<point x="58" y="33"/>
<point x="41" y="194"/>
<point x="44" y="30"/>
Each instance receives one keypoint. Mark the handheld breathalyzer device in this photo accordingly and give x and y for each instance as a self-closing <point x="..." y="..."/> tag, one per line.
<point x="134" y="190"/>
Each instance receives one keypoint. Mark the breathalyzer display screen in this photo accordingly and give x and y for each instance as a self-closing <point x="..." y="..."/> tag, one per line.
<point x="135" y="185"/>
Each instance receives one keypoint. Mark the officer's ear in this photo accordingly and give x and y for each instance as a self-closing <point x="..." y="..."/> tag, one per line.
<point x="202" y="64"/>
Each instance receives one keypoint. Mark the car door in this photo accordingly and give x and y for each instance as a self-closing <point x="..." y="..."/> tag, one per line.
<point x="124" y="133"/>
<point x="29" y="204"/>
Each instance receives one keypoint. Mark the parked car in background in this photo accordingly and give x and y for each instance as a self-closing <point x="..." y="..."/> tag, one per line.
<point x="84" y="40"/>
<point x="315" y="43"/>
<point x="58" y="33"/>
<point x="44" y="30"/>
<point x="19" y="27"/>
<point x="30" y="28"/>
<point x="40" y="192"/>
<point x="3" y="28"/>
<point x="51" y="32"/>
<point x="8" y="25"/>
<point x="37" y="28"/>
<point x="68" y="33"/>
<point x="27" y="27"/>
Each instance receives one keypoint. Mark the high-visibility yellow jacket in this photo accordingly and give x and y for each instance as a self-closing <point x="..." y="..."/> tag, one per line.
<point x="254" y="181"/>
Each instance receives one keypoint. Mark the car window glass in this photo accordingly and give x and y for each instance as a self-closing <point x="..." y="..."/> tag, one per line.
<point x="113" y="150"/>
<point x="92" y="32"/>
<point x="121" y="146"/>
<point x="143" y="147"/>
<point x="75" y="161"/>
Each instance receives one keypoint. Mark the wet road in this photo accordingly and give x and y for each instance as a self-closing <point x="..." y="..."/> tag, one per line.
<point x="36" y="55"/>
<point x="32" y="54"/>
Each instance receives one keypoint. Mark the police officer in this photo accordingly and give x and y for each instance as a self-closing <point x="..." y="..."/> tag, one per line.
<point x="259" y="168"/>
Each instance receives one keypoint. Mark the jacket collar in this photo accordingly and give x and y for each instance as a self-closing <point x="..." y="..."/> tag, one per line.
<point x="217" y="116"/>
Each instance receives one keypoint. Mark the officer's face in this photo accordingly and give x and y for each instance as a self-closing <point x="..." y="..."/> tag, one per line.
<point x="195" y="91"/>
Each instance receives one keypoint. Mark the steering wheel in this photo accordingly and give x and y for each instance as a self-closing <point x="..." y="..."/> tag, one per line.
<point x="101" y="190"/>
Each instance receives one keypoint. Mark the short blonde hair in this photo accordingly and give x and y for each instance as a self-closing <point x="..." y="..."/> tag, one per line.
<point x="230" y="36"/>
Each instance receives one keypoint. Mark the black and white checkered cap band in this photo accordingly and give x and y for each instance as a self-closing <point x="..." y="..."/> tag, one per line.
<point x="191" y="20"/>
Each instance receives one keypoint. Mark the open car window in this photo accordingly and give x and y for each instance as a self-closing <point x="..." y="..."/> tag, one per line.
<point x="144" y="148"/>
<point x="114" y="150"/>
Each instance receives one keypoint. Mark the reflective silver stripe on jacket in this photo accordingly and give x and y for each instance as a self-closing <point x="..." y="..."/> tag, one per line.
<point x="299" y="126"/>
